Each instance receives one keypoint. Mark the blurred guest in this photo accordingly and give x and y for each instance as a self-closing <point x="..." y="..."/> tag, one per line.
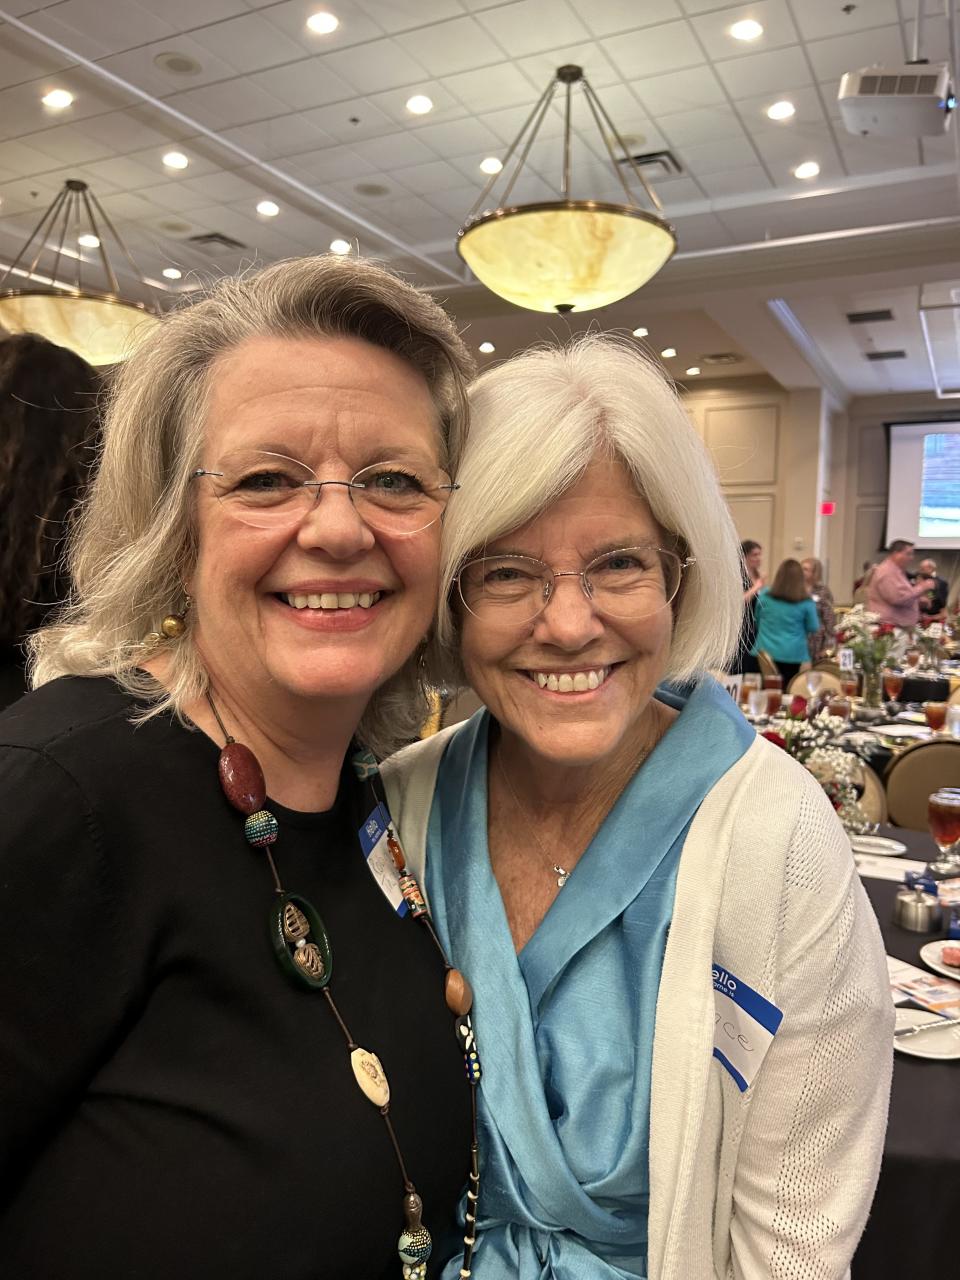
<point x="933" y="605"/>
<point x="891" y="595"/>
<point x="751" y="557"/>
<point x="786" y="617"/>
<point x="48" y="421"/>
<point x="861" y="585"/>
<point x="822" y="597"/>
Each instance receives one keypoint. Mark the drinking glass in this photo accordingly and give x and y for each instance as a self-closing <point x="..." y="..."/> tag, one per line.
<point x="838" y="706"/>
<point x="850" y="686"/>
<point x="774" y="700"/>
<point x="892" y="684"/>
<point x="952" y="725"/>
<point x="757" y="702"/>
<point x="813" y="681"/>
<point x="751" y="680"/>
<point x="936" y="714"/>
<point x="913" y="657"/>
<point x="943" y="815"/>
<point x="773" y="682"/>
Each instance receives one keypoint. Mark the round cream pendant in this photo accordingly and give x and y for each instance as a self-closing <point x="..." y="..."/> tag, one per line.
<point x="370" y="1076"/>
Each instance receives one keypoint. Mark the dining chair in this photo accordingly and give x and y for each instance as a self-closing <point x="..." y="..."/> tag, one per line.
<point x="914" y="774"/>
<point x="873" y="802"/>
<point x="766" y="664"/>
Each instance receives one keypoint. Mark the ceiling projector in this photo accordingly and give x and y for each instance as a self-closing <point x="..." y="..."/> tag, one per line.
<point x="914" y="100"/>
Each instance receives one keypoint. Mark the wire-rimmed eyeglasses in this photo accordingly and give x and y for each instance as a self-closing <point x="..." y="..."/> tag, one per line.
<point x="628" y="583"/>
<point x="272" y="491"/>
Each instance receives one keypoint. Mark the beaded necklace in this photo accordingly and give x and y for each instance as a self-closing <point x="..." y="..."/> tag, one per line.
<point x="303" y="950"/>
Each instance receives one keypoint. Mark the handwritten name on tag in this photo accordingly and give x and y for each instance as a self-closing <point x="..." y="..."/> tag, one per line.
<point x="373" y="842"/>
<point x="744" y="1026"/>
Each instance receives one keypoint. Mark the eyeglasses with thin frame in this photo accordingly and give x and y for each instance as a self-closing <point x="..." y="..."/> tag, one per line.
<point x="267" y="490"/>
<point x="628" y="583"/>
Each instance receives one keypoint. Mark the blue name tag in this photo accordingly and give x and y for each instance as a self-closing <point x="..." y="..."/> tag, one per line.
<point x="373" y="842"/>
<point x="744" y="1026"/>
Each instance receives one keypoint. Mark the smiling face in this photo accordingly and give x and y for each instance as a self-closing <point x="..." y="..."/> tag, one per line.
<point x="327" y="608"/>
<point x="532" y="675"/>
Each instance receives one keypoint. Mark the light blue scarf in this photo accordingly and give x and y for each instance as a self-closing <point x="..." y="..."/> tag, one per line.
<point x="565" y="1028"/>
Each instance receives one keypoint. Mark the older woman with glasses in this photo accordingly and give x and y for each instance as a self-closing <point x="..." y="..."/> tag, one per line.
<point x="224" y="1044"/>
<point x="681" y="1001"/>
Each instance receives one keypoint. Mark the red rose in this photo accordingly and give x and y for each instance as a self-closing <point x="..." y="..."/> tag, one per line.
<point x="885" y="629"/>
<point x="775" y="738"/>
<point x="798" y="706"/>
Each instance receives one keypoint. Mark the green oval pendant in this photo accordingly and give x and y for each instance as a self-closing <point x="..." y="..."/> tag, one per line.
<point x="300" y="941"/>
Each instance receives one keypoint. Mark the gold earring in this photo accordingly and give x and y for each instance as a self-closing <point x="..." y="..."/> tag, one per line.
<point x="175" y="624"/>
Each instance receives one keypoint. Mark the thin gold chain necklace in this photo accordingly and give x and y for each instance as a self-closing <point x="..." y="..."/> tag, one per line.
<point x="561" y="873"/>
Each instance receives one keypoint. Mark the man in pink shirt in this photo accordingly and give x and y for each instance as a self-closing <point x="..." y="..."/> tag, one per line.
<point x="891" y="595"/>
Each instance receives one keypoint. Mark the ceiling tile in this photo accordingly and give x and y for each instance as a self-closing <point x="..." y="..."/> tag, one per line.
<point x="507" y="123"/>
<point x="393" y="103"/>
<point x="174" y="197"/>
<point x="122" y="131"/>
<point x="449" y="47"/>
<point x="606" y="17"/>
<point x="679" y="91"/>
<point x="80" y="26"/>
<point x="124" y="173"/>
<point x="504" y="85"/>
<point x="350" y="121"/>
<point x="124" y="207"/>
<point x="184" y="15"/>
<point x="719" y="154"/>
<point x="249" y="43"/>
<point x="304" y="84"/>
<point x="678" y="191"/>
<point x="819" y="18"/>
<point x="456" y="137"/>
<point x="654" y="50"/>
<point x="291" y="18"/>
<point x="402" y="15"/>
<point x="540" y="68"/>
<point x="735" y="181"/>
<point x="779" y="30"/>
<point x="283" y="136"/>
<point x="22" y="158"/>
<point x="231" y="102"/>
<point x="878" y="155"/>
<point x="700" y="231"/>
<point x="520" y="27"/>
<point x="139" y="68"/>
<point x="806" y="100"/>
<point x="71" y="143"/>
<point x="230" y="188"/>
<point x="775" y="72"/>
<point x="328" y="165"/>
<point x="436" y="175"/>
<point x="831" y="58"/>
<point x="22" y="59"/>
<point x="386" y="154"/>
<point x="376" y="66"/>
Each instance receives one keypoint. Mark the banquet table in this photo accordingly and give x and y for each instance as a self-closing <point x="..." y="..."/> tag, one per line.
<point x="920" y="688"/>
<point x="914" y="1225"/>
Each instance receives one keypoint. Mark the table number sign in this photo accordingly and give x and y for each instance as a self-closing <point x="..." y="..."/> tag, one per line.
<point x="845" y="659"/>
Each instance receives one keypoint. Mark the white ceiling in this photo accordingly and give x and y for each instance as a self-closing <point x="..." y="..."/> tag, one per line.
<point x="313" y="117"/>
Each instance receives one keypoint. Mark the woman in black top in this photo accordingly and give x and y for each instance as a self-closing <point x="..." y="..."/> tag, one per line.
<point x="258" y="562"/>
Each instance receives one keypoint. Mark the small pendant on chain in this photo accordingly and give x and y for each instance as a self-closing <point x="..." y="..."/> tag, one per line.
<point x="562" y="876"/>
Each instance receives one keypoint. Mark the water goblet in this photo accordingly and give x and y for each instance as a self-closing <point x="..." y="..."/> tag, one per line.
<point x="757" y="703"/>
<point x="943" y="816"/>
<point x="813" y="681"/>
<point x="936" y="714"/>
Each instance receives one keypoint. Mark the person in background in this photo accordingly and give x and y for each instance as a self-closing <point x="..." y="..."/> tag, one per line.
<point x="822" y="597"/>
<point x="48" y="426"/>
<point x="786" y="618"/>
<point x="933" y="605"/>
<point x="891" y="595"/>
<point x="751" y="557"/>
<point x="861" y="585"/>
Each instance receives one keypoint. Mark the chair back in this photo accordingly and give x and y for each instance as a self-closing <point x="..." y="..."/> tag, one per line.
<point x="766" y="664"/>
<point x="873" y="802"/>
<point x="913" y="776"/>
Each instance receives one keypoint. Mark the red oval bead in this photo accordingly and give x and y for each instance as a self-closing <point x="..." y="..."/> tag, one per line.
<point x="242" y="778"/>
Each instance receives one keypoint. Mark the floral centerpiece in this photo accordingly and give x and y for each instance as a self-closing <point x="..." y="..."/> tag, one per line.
<point x="929" y="640"/>
<point x="874" y="643"/>
<point x="839" y="772"/>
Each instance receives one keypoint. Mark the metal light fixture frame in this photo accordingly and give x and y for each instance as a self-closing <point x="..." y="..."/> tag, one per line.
<point x="479" y="217"/>
<point x="76" y="207"/>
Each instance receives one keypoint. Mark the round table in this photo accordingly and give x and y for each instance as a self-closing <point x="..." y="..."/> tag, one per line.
<point x="912" y="1228"/>
<point x="917" y="688"/>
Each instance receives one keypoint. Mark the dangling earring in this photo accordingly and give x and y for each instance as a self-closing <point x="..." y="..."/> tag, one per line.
<point x="175" y="624"/>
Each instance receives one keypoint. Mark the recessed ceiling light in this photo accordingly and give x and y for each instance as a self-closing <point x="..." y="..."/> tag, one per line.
<point x="340" y="246"/>
<point x="88" y="241"/>
<point x="57" y="99"/>
<point x="419" y="104"/>
<point x="781" y="111"/>
<point x="175" y="160"/>
<point x="487" y="348"/>
<point x="322" y="23"/>
<point x="748" y="29"/>
<point x="641" y="332"/>
<point x="172" y="273"/>
<point x="693" y="371"/>
<point x="668" y="353"/>
<point x="491" y="165"/>
<point x="809" y="169"/>
<point x="268" y="209"/>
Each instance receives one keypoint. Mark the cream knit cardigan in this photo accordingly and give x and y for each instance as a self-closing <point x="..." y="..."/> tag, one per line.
<point x="774" y="1183"/>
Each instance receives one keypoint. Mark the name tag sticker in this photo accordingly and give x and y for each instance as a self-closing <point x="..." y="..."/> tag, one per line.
<point x="373" y="842"/>
<point x="744" y="1026"/>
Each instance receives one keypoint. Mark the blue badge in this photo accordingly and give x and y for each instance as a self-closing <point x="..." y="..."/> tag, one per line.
<point x="373" y="842"/>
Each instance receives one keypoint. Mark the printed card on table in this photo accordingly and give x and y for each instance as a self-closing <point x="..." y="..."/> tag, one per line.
<point x="907" y="982"/>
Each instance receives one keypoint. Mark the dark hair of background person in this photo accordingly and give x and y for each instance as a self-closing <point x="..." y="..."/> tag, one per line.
<point x="48" y="427"/>
<point x="748" y="546"/>
<point x="788" y="583"/>
<point x="898" y="544"/>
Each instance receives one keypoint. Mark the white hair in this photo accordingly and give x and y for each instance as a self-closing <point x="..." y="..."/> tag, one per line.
<point x="538" y="421"/>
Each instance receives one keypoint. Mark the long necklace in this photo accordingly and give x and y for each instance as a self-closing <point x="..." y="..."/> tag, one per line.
<point x="302" y="947"/>
<point x="562" y="875"/>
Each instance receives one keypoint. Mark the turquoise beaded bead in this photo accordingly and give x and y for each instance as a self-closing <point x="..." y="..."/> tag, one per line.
<point x="261" y="828"/>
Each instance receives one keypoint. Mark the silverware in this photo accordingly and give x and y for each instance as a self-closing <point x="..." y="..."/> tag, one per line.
<point x="926" y="1026"/>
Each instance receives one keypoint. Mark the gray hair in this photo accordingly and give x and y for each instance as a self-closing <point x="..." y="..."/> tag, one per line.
<point x="136" y="539"/>
<point x="536" y="423"/>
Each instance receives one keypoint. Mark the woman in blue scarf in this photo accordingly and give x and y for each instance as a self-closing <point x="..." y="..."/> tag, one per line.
<point x="681" y="1003"/>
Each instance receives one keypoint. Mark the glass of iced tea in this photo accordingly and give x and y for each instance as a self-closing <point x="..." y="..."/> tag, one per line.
<point x="838" y="706"/>
<point x="892" y="684"/>
<point x="913" y="657"/>
<point x="936" y="713"/>
<point x="773" y="682"/>
<point x="850" y="686"/>
<point x="774" y="699"/>
<point x="751" y="680"/>
<point x="943" y="815"/>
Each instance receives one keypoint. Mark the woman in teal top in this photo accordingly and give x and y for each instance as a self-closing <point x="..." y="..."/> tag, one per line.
<point x="786" y="616"/>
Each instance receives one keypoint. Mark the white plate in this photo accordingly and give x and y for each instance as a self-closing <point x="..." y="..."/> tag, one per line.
<point x="939" y="1042"/>
<point x="930" y="955"/>
<point x="880" y="846"/>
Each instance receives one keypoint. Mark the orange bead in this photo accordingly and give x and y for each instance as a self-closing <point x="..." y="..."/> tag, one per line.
<point x="396" y="853"/>
<point x="457" y="993"/>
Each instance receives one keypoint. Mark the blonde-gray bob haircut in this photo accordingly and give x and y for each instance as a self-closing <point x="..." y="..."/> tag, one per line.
<point x="136" y="541"/>
<point x="537" y="422"/>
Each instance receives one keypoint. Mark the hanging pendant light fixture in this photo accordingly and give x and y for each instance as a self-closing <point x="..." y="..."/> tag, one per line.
<point x="97" y="324"/>
<point x="566" y="255"/>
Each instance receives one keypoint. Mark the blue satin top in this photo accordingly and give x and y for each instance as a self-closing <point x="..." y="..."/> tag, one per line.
<point x="565" y="1027"/>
